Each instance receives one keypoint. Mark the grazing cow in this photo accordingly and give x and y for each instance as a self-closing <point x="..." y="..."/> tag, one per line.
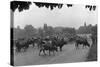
<point x="31" y="42"/>
<point x="47" y="46"/>
<point x="21" y="45"/>
<point x="81" y="41"/>
<point x="59" y="43"/>
<point x="39" y="42"/>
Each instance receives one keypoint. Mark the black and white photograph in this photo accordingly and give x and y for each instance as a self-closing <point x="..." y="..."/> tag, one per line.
<point x="52" y="33"/>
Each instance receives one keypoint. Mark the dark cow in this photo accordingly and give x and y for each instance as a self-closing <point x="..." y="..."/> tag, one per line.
<point x="59" y="43"/>
<point x="47" y="46"/>
<point x="81" y="41"/>
<point x="22" y="44"/>
<point x="41" y="41"/>
<point x="31" y="41"/>
<point x="38" y="42"/>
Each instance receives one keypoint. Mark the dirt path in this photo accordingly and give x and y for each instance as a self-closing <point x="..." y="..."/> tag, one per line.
<point x="68" y="55"/>
<point x="71" y="55"/>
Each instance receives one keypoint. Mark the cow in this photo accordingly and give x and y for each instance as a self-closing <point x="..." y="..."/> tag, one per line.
<point x="20" y="46"/>
<point x="81" y="41"/>
<point x="47" y="46"/>
<point x="59" y="43"/>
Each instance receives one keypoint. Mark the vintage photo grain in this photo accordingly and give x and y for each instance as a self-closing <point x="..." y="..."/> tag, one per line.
<point x="52" y="33"/>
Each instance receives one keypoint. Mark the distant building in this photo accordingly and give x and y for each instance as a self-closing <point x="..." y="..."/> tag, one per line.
<point x="45" y="27"/>
<point x="84" y="24"/>
<point x="18" y="27"/>
<point x="85" y="29"/>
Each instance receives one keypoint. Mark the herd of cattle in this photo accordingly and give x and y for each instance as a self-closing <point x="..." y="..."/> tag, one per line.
<point x="50" y="44"/>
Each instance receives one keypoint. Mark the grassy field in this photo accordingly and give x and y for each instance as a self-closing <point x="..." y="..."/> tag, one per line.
<point x="69" y="55"/>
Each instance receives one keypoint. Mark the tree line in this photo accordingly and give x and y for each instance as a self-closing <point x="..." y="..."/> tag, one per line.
<point x="29" y="31"/>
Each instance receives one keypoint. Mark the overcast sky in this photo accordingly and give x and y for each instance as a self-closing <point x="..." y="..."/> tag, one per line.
<point x="67" y="17"/>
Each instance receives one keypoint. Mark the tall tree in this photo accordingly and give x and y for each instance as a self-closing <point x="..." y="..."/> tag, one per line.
<point x="30" y="30"/>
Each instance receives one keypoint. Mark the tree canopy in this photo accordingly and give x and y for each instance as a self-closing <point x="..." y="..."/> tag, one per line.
<point x="91" y="7"/>
<point x="48" y="5"/>
<point x="24" y="5"/>
<point x="21" y="5"/>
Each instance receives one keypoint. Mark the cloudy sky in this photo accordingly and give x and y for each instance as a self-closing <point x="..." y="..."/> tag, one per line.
<point x="67" y="17"/>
